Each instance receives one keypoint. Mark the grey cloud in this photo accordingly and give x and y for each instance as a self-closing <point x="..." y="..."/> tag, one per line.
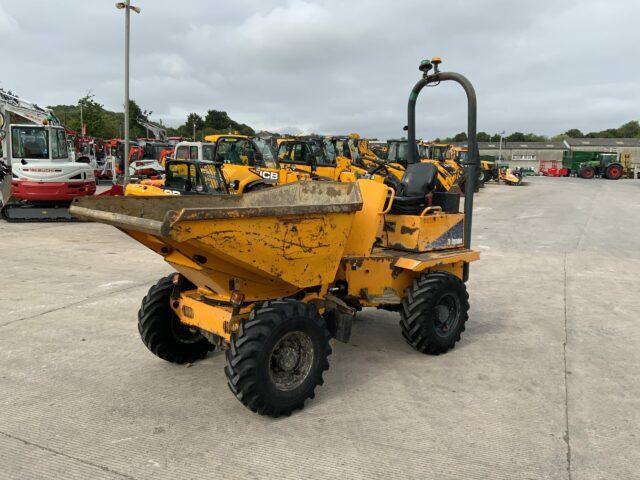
<point x="331" y="66"/>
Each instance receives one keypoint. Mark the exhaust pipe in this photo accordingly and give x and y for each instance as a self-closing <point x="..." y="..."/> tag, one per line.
<point x="471" y="164"/>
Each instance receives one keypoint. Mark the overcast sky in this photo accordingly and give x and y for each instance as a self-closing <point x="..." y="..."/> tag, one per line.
<point x="335" y="66"/>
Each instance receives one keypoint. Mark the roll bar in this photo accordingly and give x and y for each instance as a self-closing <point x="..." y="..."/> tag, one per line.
<point x="471" y="163"/>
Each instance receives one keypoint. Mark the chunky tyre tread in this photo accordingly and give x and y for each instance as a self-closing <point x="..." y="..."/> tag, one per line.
<point x="154" y="325"/>
<point x="419" y="297"/>
<point x="247" y="345"/>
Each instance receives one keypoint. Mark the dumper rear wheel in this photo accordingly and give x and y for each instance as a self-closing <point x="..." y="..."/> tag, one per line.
<point x="434" y="312"/>
<point x="277" y="357"/>
<point x="161" y="330"/>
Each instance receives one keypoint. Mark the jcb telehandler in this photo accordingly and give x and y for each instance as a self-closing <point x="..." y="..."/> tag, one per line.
<point x="317" y="157"/>
<point x="272" y="275"/>
<point x="248" y="164"/>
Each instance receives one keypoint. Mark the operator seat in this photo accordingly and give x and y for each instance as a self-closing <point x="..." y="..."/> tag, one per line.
<point x="418" y="181"/>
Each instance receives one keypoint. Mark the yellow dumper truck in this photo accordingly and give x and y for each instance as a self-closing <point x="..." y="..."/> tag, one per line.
<point x="271" y="276"/>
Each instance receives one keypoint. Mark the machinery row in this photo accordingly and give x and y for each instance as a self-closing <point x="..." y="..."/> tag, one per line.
<point x="45" y="165"/>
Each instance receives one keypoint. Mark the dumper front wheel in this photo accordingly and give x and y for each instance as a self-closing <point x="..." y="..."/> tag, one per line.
<point x="161" y="330"/>
<point x="277" y="357"/>
<point x="434" y="312"/>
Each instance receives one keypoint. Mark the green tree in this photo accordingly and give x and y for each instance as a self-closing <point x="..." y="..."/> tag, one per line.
<point x="136" y="113"/>
<point x="460" y="137"/>
<point x="574" y="133"/>
<point x="92" y="114"/>
<point x="515" y="137"/>
<point x="483" y="137"/>
<point x="629" y="130"/>
<point x="193" y="120"/>
<point x="532" y="137"/>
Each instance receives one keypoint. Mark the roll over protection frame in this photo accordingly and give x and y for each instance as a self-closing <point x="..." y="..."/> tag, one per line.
<point x="471" y="163"/>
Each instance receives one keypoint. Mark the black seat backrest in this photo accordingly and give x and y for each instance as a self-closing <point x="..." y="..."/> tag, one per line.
<point x="419" y="179"/>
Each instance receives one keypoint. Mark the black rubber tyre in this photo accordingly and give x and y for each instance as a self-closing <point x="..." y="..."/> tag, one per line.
<point x="587" y="172"/>
<point x="161" y="330"/>
<point x="267" y="374"/>
<point x="614" y="171"/>
<point x="434" y="312"/>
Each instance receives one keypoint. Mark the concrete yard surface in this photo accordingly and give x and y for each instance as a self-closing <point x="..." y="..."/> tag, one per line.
<point x="545" y="382"/>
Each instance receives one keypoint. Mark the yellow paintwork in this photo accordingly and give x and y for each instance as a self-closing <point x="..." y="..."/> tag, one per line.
<point x="380" y="279"/>
<point x="274" y="256"/>
<point x="243" y="175"/>
<point x="144" y="190"/>
<point x="341" y="172"/>
<point x="435" y="231"/>
<point x="506" y="175"/>
<point x="371" y="159"/>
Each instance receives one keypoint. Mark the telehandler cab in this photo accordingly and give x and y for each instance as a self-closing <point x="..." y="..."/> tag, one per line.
<point x="272" y="275"/>
<point x="316" y="157"/>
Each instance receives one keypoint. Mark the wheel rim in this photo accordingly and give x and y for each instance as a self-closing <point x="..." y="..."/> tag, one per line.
<point x="182" y="332"/>
<point x="447" y="315"/>
<point x="614" y="172"/>
<point x="291" y="360"/>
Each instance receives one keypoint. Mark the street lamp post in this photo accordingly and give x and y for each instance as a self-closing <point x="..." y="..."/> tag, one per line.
<point x="500" y="147"/>
<point x="127" y="15"/>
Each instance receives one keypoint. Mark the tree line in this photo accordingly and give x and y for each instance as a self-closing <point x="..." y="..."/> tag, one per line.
<point x="103" y="123"/>
<point x="628" y="130"/>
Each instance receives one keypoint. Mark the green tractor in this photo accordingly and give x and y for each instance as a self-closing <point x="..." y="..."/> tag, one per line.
<point x="593" y="164"/>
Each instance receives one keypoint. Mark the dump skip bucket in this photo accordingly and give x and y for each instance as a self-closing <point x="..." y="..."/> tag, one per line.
<point x="268" y="243"/>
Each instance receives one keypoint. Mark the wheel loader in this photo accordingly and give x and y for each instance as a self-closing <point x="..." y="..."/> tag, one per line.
<point x="271" y="276"/>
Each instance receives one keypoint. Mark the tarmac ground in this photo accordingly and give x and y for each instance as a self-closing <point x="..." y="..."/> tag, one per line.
<point x="544" y="383"/>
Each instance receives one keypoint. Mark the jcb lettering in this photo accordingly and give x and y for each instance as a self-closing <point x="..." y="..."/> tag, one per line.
<point x="269" y="175"/>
